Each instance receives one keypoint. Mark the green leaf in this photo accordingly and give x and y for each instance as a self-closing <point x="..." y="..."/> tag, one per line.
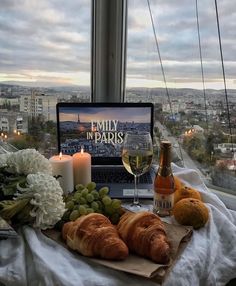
<point x="9" y="190"/>
<point x="10" y="208"/>
<point x="9" y="187"/>
<point x="24" y="216"/>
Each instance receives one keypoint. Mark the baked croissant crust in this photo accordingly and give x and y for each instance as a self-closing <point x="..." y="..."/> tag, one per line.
<point x="93" y="235"/>
<point x="144" y="234"/>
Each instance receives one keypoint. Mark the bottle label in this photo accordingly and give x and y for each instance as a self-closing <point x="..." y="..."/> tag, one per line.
<point x="163" y="202"/>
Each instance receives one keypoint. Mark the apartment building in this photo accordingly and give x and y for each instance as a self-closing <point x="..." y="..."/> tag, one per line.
<point x="175" y="107"/>
<point x="39" y="104"/>
<point x="11" y="121"/>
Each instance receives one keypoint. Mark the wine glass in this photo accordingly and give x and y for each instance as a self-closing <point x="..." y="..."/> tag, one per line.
<point x="137" y="156"/>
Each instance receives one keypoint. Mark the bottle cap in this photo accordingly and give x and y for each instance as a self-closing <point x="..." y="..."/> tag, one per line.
<point x="165" y="144"/>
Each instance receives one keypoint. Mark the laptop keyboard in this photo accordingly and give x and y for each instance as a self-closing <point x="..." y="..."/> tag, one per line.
<point x="117" y="175"/>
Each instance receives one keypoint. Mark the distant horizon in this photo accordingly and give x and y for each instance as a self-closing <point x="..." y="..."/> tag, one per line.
<point x="56" y="85"/>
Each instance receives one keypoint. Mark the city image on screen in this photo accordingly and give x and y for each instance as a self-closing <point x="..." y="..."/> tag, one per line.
<point x="99" y="130"/>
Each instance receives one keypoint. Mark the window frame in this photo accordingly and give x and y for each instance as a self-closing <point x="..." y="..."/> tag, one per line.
<point x="108" y="50"/>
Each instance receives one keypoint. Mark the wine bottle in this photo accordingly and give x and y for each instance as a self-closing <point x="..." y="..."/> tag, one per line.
<point x="164" y="186"/>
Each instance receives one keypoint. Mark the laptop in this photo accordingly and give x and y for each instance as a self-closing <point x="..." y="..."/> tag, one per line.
<point x="100" y="128"/>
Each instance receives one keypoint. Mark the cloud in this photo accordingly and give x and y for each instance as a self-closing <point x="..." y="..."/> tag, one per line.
<point x="45" y="37"/>
<point x="51" y="38"/>
<point x="176" y="29"/>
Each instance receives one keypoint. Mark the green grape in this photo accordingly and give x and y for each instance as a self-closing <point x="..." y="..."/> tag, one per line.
<point x="82" y="210"/>
<point x="114" y="218"/>
<point x="106" y="200"/>
<point x="95" y="194"/>
<point x="70" y="205"/>
<point x="89" y="198"/>
<point x="79" y="187"/>
<point x="77" y="196"/>
<point x="109" y="210"/>
<point x="116" y="204"/>
<point x="74" y="215"/>
<point x="100" y="206"/>
<point x="95" y="205"/>
<point x="85" y="205"/>
<point x="75" y="207"/>
<point x="90" y="210"/>
<point x="84" y="192"/>
<point x="91" y="186"/>
<point x="82" y="200"/>
<point x="103" y="191"/>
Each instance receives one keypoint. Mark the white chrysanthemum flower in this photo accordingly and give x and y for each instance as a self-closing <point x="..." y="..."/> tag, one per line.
<point x="46" y="197"/>
<point x="3" y="159"/>
<point x="28" y="161"/>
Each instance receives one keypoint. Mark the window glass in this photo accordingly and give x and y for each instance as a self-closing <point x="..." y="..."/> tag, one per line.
<point x="164" y="67"/>
<point x="44" y="58"/>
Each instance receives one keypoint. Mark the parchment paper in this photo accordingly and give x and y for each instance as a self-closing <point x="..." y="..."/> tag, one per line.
<point x="178" y="236"/>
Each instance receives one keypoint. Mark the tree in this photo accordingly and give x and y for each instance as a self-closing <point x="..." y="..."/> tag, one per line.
<point x="195" y="146"/>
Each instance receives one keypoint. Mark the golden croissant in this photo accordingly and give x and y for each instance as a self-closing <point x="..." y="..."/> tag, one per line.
<point x="93" y="235"/>
<point x="144" y="234"/>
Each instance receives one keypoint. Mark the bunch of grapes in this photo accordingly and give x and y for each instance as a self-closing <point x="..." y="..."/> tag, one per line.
<point x="86" y="199"/>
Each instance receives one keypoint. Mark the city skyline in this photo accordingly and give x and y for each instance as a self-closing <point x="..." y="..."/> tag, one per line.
<point x="48" y="43"/>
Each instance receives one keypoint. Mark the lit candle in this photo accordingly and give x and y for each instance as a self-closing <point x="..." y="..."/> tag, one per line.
<point x="82" y="168"/>
<point x="62" y="169"/>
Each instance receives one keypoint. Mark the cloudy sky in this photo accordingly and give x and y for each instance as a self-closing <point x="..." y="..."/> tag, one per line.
<point x="122" y="114"/>
<point x="48" y="41"/>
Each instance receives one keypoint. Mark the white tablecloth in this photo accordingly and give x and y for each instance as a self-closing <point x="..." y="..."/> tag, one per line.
<point x="209" y="258"/>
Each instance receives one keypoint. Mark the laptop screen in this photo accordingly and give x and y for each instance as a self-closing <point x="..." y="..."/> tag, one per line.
<point x="99" y="128"/>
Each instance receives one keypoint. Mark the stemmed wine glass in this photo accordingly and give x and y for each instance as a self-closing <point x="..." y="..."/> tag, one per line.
<point x="137" y="156"/>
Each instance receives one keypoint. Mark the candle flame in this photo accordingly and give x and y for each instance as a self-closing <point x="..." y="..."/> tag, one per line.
<point x="82" y="150"/>
<point x="60" y="155"/>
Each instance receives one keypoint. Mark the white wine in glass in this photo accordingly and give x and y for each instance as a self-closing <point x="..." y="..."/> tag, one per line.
<point x="137" y="156"/>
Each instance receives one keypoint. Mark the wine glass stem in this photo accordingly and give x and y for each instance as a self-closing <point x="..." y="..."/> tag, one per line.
<point x="136" y="199"/>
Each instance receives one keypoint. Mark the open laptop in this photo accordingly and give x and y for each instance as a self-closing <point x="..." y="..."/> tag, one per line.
<point x="99" y="128"/>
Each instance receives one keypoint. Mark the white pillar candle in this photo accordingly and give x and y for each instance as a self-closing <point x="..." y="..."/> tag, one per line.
<point x="82" y="168"/>
<point x="62" y="167"/>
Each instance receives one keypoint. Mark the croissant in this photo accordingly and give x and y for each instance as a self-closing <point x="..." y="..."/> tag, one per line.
<point x="93" y="235"/>
<point x="144" y="234"/>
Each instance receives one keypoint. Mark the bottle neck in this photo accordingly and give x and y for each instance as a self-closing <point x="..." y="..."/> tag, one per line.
<point x="165" y="163"/>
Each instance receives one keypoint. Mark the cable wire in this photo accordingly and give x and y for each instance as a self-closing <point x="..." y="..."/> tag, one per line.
<point x="223" y="73"/>
<point x="202" y="72"/>
<point x="159" y="55"/>
<point x="162" y="70"/>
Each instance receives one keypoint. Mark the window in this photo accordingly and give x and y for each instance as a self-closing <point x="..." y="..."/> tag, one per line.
<point x="45" y="50"/>
<point x="164" y="67"/>
<point x="44" y="58"/>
